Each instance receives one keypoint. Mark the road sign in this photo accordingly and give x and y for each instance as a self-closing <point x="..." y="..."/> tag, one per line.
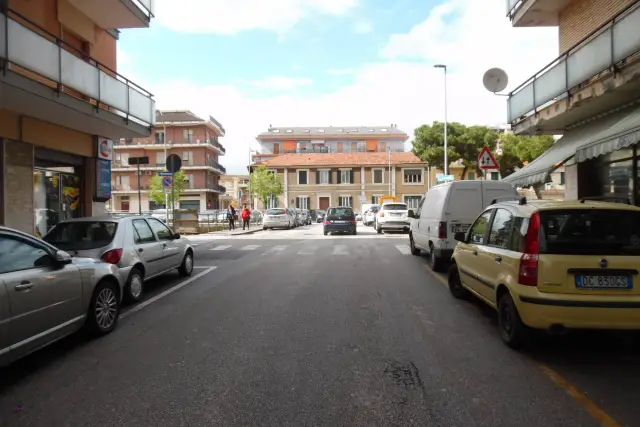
<point x="444" y="178"/>
<point x="167" y="181"/>
<point x="486" y="159"/>
<point x="165" y="174"/>
<point x="363" y="198"/>
<point x="174" y="163"/>
<point x="139" y="160"/>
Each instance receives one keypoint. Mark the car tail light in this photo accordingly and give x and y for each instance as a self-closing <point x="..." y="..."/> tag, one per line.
<point x="442" y="230"/>
<point x="381" y="213"/>
<point x="327" y="223"/>
<point x="528" y="275"/>
<point x="113" y="256"/>
<point x="352" y="222"/>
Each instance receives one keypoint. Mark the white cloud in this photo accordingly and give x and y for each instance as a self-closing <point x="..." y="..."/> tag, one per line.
<point x="404" y="88"/>
<point x="233" y="16"/>
<point x="363" y="27"/>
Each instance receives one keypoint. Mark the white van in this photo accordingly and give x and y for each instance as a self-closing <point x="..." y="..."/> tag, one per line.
<point x="447" y="209"/>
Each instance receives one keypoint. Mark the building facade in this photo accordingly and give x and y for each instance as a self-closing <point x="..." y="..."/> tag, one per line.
<point x="328" y="140"/>
<point x="237" y="189"/>
<point x="590" y="95"/>
<point x="62" y="103"/>
<point x="194" y="139"/>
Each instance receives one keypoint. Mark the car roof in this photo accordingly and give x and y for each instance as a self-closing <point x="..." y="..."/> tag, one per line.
<point x="340" y="207"/>
<point x="536" y="205"/>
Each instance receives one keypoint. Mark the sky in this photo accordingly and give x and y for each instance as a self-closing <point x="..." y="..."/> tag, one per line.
<point x="255" y="63"/>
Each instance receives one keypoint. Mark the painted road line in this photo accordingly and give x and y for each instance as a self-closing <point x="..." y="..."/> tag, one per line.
<point x="340" y="250"/>
<point x="220" y="248"/>
<point x="307" y="250"/>
<point x="404" y="249"/>
<point x="442" y="280"/>
<point x="250" y="247"/>
<point x="275" y="250"/>
<point x="167" y="292"/>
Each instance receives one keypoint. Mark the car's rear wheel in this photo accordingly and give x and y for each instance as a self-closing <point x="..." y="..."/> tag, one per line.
<point x="455" y="284"/>
<point x="378" y="228"/>
<point x="434" y="260"/>
<point x="135" y="286"/>
<point x="186" y="268"/>
<point x="104" y="308"/>
<point x="414" y="251"/>
<point x="513" y="332"/>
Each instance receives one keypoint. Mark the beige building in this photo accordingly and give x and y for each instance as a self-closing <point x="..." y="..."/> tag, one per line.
<point x="62" y="104"/>
<point x="236" y="188"/>
<point x="590" y="94"/>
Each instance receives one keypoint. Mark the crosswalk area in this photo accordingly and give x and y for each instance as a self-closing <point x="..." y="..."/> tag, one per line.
<point x="403" y="249"/>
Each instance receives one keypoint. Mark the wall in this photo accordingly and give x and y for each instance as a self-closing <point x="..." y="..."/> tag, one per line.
<point x="581" y="17"/>
<point x="18" y="186"/>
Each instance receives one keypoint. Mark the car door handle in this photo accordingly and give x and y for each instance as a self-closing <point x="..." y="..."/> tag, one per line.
<point x="475" y="253"/>
<point x="164" y="245"/>
<point x="140" y="250"/>
<point x="498" y="259"/>
<point x="23" y="286"/>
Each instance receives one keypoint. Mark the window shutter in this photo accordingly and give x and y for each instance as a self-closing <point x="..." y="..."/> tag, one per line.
<point x="351" y="197"/>
<point x="317" y="176"/>
<point x="351" y="176"/>
<point x="297" y="202"/>
<point x="330" y="177"/>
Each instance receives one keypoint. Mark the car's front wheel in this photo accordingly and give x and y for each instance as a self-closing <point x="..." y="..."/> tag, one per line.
<point x="104" y="308"/>
<point x="455" y="284"/>
<point x="186" y="268"/>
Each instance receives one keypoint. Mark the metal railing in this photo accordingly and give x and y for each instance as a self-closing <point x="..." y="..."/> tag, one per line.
<point x="38" y="51"/>
<point x="513" y="6"/>
<point x="603" y="48"/>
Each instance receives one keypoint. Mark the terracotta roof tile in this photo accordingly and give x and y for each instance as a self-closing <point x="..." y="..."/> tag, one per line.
<point x="342" y="159"/>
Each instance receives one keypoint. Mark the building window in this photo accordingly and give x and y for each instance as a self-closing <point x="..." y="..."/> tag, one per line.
<point x="273" y="202"/>
<point x="362" y="146"/>
<point x="345" y="201"/>
<point x="495" y="176"/>
<point x="382" y="147"/>
<point x="378" y="176"/>
<point x="471" y="176"/>
<point x="413" y="176"/>
<point x="375" y="199"/>
<point x="346" y="147"/>
<point x="187" y="158"/>
<point x="124" y="159"/>
<point x="160" y="159"/>
<point x="189" y="181"/>
<point x="187" y="134"/>
<point x="412" y="201"/>
<point x="302" y="202"/>
<point x="346" y="176"/>
<point x="562" y="178"/>
<point x="323" y="176"/>
<point x="160" y="137"/>
<point x="303" y="177"/>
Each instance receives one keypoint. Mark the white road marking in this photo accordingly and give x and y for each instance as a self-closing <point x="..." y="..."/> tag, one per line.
<point x="220" y="248"/>
<point x="167" y="292"/>
<point x="250" y="247"/>
<point x="308" y="250"/>
<point x="275" y="250"/>
<point x="404" y="249"/>
<point x="340" y="250"/>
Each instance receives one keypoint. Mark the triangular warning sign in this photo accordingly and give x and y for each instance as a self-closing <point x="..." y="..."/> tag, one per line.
<point x="486" y="159"/>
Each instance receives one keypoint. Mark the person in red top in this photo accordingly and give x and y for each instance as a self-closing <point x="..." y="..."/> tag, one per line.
<point x="246" y="217"/>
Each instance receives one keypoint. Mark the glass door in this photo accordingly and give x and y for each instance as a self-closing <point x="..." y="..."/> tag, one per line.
<point x="56" y="198"/>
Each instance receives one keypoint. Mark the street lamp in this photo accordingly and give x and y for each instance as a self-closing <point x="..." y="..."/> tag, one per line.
<point x="446" y="145"/>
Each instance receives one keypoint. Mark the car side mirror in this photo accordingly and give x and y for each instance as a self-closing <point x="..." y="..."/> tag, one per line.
<point x="176" y="236"/>
<point x="411" y="214"/>
<point x="460" y="236"/>
<point x="61" y="258"/>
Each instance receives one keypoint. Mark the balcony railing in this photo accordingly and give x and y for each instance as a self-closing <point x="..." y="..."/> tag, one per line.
<point x="25" y="44"/>
<point x="217" y="165"/>
<point x="219" y="188"/>
<point x="512" y="6"/>
<point x="122" y="187"/>
<point x="604" y="48"/>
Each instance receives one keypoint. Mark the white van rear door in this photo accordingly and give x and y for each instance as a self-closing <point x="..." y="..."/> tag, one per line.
<point x="463" y="206"/>
<point x="492" y="190"/>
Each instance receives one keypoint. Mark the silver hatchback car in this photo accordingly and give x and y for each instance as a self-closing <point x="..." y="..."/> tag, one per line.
<point x="142" y="247"/>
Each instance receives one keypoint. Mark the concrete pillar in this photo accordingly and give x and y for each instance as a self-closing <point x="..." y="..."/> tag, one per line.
<point x="286" y="188"/>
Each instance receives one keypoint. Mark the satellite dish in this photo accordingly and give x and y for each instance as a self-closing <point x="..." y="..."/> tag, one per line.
<point x="495" y="80"/>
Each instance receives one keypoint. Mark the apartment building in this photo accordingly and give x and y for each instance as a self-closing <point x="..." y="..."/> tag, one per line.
<point x="62" y="103"/>
<point x="320" y="180"/>
<point x="328" y="140"/>
<point x="237" y="189"/>
<point x="194" y="139"/>
<point x="590" y="95"/>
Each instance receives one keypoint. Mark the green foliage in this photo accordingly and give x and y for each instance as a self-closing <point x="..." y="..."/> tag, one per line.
<point x="157" y="193"/>
<point x="265" y="184"/>
<point x="519" y="149"/>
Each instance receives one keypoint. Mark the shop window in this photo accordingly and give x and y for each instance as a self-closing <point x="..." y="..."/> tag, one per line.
<point x="562" y="179"/>
<point x="616" y="179"/>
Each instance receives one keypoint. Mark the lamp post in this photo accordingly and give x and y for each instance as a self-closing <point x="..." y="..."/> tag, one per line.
<point x="446" y="145"/>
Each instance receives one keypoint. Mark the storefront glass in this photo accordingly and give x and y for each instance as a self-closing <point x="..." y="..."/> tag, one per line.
<point x="57" y="194"/>
<point x="616" y="175"/>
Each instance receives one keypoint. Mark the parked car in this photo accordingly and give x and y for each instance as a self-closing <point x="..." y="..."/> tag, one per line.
<point x="552" y="265"/>
<point x="447" y="209"/>
<point x="45" y="294"/>
<point x="392" y="216"/>
<point x="277" y="218"/>
<point x="370" y="215"/>
<point x="340" y="219"/>
<point x="141" y="247"/>
<point x="304" y="216"/>
<point x="320" y="214"/>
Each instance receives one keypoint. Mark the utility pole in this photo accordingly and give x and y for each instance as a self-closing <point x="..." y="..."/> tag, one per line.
<point x="389" y="153"/>
<point x="446" y="145"/>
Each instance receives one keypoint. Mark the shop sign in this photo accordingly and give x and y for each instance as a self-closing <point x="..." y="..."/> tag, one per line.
<point x="103" y="180"/>
<point x="105" y="148"/>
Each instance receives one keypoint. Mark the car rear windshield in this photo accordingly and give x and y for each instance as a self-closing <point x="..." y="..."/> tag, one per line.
<point x="82" y="235"/>
<point x="395" y="207"/>
<point x="276" y="212"/>
<point x="590" y="232"/>
<point x="340" y="213"/>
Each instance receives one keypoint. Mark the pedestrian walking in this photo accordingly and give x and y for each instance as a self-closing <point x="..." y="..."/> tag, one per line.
<point x="246" y="217"/>
<point x="231" y="217"/>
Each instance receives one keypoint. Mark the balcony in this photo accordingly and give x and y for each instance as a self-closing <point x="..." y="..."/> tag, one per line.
<point x="47" y="79"/>
<point x="216" y="165"/>
<point x="219" y="188"/>
<point x="116" y="14"/>
<point x="583" y="82"/>
<point x="535" y="13"/>
<point x="159" y="144"/>
<point x="125" y="188"/>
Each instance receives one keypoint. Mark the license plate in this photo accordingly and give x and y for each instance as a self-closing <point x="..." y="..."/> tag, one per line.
<point x="396" y="214"/>
<point x="340" y="222"/>
<point x="459" y="228"/>
<point x="604" y="282"/>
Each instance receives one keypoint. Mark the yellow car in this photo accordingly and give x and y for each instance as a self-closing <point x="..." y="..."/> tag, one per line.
<point x="552" y="265"/>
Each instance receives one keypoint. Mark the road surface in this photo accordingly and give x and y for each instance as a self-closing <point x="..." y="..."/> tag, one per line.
<point x="289" y="328"/>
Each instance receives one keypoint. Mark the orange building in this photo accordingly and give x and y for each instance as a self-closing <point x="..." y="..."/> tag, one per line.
<point x="62" y="104"/>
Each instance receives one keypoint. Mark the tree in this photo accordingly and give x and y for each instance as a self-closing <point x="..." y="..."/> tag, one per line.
<point x="265" y="184"/>
<point x="518" y="149"/>
<point x="157" y="193"/>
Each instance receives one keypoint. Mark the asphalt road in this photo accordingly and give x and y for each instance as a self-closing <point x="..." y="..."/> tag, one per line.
<point x="295" y="329"/>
